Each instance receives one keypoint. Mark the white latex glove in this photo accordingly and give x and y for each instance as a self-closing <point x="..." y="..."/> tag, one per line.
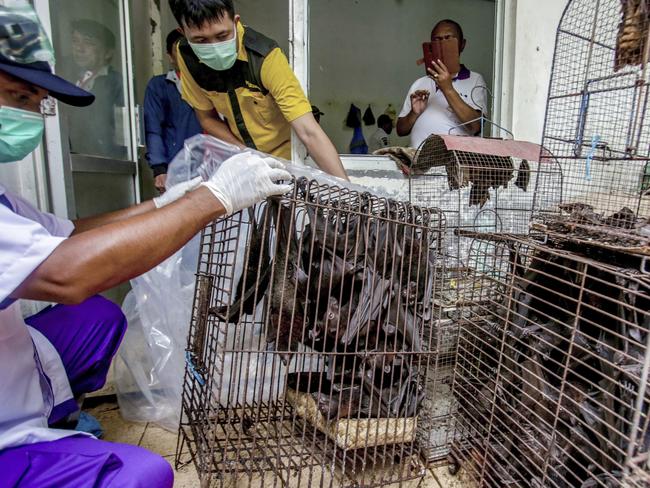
<point x="246" y="179"/>
<point x="176" y="192"/>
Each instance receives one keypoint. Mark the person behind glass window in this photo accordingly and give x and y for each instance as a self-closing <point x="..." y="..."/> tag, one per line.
<point x="93" y="130"/>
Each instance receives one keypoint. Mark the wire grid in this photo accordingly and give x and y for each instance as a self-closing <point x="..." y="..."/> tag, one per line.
<point x="278" y="390"/>
<point x="552" y="368"/>
<point x="479" y="192"/>
<point x="639" y="475"/>
<point x="596" y="125"/>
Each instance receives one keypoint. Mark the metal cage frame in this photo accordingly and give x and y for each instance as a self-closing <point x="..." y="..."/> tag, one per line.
<point x="246" y="415"/>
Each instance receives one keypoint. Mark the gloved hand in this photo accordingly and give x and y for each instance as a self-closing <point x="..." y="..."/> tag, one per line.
<point x="246" y="179"/>
<point x="176" y="192"/>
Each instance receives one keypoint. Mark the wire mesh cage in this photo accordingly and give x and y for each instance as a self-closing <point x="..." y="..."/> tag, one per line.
<point x="639" y="475"/>
<point x="552" y="368"/>
<point x="596" y="125"/>
<point x="482" y="185"/>
<point x="312" y="338"/>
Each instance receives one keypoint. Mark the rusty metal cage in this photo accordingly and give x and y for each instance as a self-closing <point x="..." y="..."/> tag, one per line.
<point x="596" y="123"/>
<point x="639" y="475"/>
<point x="482" y="185"/>
<point x="312" y="338"/>
<point x="552" y="368"/>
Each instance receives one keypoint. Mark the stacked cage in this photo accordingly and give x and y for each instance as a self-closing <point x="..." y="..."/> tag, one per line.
<point x="554" y="344"/>
<point x="482" y="186"/>
<point x="311" y="341"/>
<point x="552" y="368"/>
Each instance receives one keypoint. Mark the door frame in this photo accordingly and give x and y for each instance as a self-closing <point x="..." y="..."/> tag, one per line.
<point x="504" y="64"/>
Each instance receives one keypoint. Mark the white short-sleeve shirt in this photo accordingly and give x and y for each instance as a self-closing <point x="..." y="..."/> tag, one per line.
<point x="27" y="238"/>
<point x="378" y="140"/>
<point x="439" y="118"/>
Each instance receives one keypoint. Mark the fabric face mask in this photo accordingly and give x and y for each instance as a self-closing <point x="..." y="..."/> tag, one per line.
<point x="21" y="132"/>
<point x="219" y="56"/>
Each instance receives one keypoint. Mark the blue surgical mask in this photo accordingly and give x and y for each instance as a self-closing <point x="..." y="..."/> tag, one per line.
<point x="21" y="132"/>
<point x="219" y="56"/>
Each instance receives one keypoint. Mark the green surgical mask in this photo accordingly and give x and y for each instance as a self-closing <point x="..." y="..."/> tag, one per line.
<point x="219" y="56"/>
<point x="21" y="132"/>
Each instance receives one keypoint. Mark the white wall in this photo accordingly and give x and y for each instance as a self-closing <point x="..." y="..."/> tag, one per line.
<point x="364" y="52"/>
<point x="535" y="26"/>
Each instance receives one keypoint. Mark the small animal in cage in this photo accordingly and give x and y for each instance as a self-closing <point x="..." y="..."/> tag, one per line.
<point x="633" y="33"/>
<point x="569" y="341"/>
<point x="483" y="164"/>
<point x="338" y="286"/>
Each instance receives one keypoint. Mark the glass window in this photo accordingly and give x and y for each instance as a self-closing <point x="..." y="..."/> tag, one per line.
<point x="88" y="45"/>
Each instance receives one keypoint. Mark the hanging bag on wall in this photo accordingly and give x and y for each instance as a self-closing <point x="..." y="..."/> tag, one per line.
<point x="353" y="120"/>
<point x="369" y="117"/>
<point x="358" y="144"/>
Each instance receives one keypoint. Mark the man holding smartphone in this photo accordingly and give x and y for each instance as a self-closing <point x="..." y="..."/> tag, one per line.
<point x="442" y="101"/>
<point x="241" y="86"/>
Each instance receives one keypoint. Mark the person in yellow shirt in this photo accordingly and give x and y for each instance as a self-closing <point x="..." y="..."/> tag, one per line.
<point x="242" y="87"/>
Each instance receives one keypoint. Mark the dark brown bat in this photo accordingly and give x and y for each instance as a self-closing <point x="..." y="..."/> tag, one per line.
<point x="371" y="301"/>
<point x="339" y="404"/>
<point x="288" y="286"/>
<point x="328" y="271"/>
<point x="480" y="192"/>
<point x="406" y="323"/>
<point x="255" y="275"/>
<point x="383" y="354"/>
<point x="340" y="232"/>
<point x="523" y="175"/>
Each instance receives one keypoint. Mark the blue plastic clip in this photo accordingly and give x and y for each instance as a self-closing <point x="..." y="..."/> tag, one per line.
<point x="195" y="373"/>
<point x="594" y="144"/>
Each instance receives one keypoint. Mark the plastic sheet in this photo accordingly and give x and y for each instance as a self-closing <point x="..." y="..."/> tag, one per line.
<point x="150" y="364"/>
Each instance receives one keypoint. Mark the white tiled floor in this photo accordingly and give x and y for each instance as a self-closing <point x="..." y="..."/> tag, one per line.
<point x="163" y="442"/>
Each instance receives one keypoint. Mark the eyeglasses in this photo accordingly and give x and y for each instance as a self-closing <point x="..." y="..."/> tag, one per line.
<point x="444" y="38"/>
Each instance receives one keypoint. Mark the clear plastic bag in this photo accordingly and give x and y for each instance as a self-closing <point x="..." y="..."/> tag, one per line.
<point x="150" y="364"/>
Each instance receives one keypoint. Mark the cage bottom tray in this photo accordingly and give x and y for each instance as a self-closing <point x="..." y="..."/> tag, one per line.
<point x="354" y="433"/>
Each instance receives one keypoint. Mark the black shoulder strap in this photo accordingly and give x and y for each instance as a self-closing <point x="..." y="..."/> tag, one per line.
<point x="258" y="47"/>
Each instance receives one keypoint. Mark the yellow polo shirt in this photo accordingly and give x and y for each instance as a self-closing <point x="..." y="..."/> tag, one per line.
<point x="267" y="117"/>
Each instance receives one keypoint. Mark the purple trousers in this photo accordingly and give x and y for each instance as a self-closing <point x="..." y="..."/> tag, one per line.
<point x="80" y="462"/>
<point x="86" y="337"/>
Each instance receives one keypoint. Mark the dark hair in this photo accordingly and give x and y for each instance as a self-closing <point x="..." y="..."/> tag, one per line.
<point x="454" y="24"/>
<point x="195" y="13"/>
<point x="383" y="120"/>
<point x="172" y="38"/>
<point x="93" y="29"/>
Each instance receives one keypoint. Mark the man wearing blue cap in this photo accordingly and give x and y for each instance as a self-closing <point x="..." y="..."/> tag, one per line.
<point x="48" y="360"/>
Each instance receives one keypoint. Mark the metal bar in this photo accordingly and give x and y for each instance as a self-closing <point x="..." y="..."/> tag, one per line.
<point x="90" y="164"/>
<point x="299" y="42"/>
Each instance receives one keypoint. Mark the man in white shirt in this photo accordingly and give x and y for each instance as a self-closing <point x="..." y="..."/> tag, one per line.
<point x="68" y="347"/>
<point x="379" y="139"/>
<point x="442" y="101"/>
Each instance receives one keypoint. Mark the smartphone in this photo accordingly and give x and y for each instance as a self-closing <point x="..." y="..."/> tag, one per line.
<point x="448" y="51"/>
